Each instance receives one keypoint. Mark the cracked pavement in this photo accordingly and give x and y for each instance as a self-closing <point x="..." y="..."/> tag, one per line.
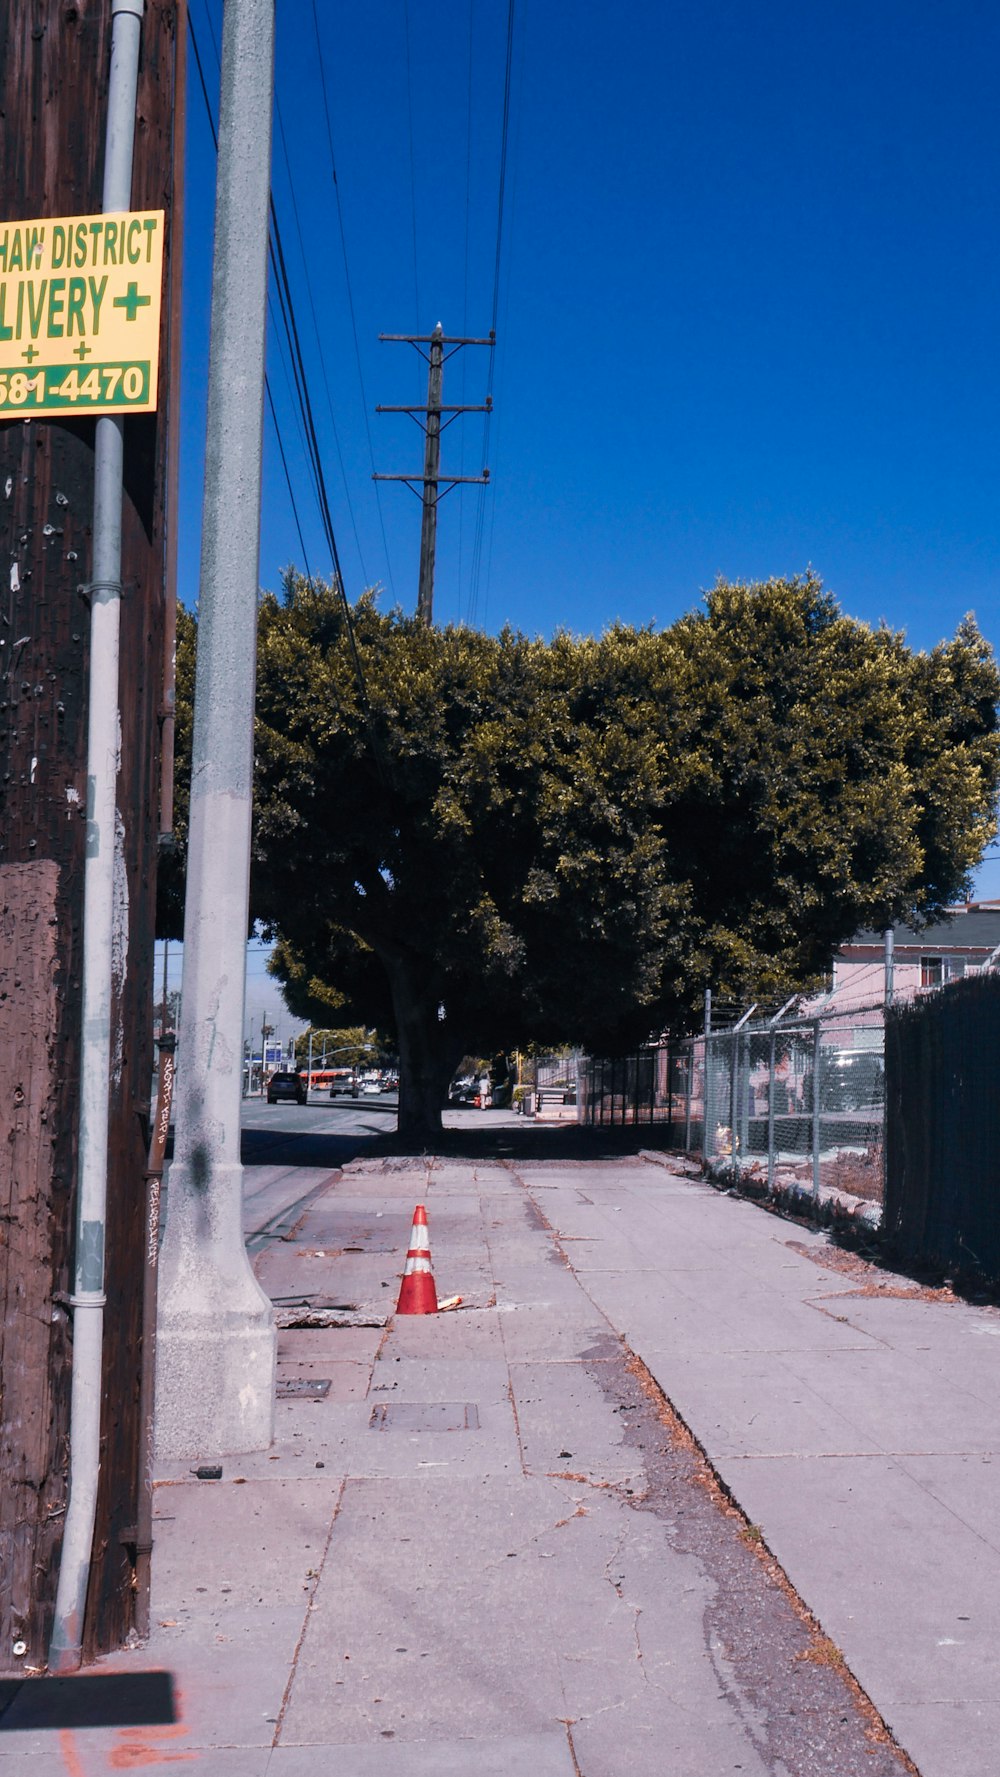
<point x="493" y="1546"/>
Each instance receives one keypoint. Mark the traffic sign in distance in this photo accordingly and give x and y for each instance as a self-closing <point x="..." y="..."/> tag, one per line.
<point x="80" y="313"/>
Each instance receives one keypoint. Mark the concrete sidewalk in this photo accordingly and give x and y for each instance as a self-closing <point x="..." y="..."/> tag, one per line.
<point x="481" y="1544"/>
<point x="854" y="1415"/>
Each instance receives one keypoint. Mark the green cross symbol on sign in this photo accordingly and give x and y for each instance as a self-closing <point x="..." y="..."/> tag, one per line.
<point x="131" y="301"/>
<point x="82" y="350"/>
<point x="30" y="354"/>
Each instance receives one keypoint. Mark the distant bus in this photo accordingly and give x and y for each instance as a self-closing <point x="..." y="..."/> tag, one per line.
<point x="327" y="1079"/>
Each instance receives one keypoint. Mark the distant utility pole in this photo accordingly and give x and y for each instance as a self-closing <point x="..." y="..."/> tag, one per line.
<point x="430" y="481"/>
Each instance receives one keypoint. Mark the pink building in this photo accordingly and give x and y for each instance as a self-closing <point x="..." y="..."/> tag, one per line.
<point x="962" y="943"/>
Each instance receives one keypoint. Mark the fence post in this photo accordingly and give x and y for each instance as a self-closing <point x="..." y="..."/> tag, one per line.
<point x="708" y="1143"/>
<point x="770" y="1114"/>
<point x="745" y="1100"/>
<point x="817" y="1095"/>
<point x="689" y="1071"/>
<point x="735" y="1110"/>
<point x="734" y="1099"/>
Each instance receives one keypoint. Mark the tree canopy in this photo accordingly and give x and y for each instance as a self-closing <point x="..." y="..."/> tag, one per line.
<point x="172" y="862"/>
<point x="473" y="841"/>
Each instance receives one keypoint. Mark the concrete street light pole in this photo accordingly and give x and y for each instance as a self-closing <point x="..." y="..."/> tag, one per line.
<point x="216" y="1341"/>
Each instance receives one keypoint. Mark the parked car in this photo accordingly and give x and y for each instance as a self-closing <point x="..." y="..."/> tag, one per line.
<point x="852" y="1080"/>
<point x="282" y="1088"/>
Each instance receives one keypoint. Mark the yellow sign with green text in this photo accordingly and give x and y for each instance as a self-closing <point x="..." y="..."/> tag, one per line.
<point x="80" y="313"/>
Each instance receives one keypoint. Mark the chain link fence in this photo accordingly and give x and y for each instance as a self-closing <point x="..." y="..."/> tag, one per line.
<point x="797" y="1103"/>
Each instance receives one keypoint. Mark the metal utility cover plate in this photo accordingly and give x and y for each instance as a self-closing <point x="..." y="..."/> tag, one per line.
<point x="312" y="1387"/>
<point x="425" y="1416"/>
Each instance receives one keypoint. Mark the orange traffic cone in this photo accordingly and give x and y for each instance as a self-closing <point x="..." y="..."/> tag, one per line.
<point x="417" y="1294"/>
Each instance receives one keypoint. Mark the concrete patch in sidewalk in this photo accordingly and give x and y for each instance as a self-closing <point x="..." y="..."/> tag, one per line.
<point x="685" y="1745"/>
<point x="926" y="1568"/>
<point x="231" y="1680"/>
<point x="756" y="1406"/>
<point x="510" y="1755"/>
<point x="345" y="1382"/>
<point x="967" y="1485"/>
<point x="338" y="1344"/>
<point x="219" y="1546"/>
<point x="473" y="1333"/>
<point x="565" y="1424"/>
<point x="81" y="1755"/>
<point x="897" y="1404"/>
<point x="432" y="1618"/>
<point x="475" y="1455"/>
<point x="714" y="1313"/>
<point x="540" y="1332"/>
<point x="410" y="1379"/>
<point x="955" y="1737"/>
<point x="424" y="1416"/>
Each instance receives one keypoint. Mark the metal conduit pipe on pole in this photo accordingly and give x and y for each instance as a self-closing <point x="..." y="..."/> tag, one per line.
<point x="216" y="1342"/>
<point x="103" y="743"/>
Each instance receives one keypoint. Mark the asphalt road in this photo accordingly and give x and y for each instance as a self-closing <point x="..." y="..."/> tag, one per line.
<point x="329" y="1132"/>
<point x="325" y="1132"/>
<point x="290" y="1150"/>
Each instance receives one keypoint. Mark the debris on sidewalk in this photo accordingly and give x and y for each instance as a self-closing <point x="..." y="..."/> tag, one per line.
<point x="306" y="1312"/>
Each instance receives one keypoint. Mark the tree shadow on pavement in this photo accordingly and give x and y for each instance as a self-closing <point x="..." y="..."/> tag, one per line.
<point x="566" y="1143"/>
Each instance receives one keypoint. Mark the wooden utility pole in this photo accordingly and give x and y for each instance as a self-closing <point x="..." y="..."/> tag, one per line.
<point x="430" y="481"/>
<point x="54" y="64"/>
<point x="432" y="461"/>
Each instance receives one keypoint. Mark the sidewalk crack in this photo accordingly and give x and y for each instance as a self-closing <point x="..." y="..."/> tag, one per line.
<point x="316" y="1576"/>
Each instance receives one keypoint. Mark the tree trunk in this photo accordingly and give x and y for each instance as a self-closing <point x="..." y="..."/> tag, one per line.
<point x="429" y="1049"/>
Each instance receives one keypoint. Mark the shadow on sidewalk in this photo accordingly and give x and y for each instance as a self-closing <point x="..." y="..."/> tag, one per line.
<point x="527" y="1141"/>
<point x="87" y="1700"/>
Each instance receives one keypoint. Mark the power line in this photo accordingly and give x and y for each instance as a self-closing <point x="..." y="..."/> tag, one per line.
<point x="267" y="385"/>
<point x="413" y="176"/>
<point x="465" y="276"/>
<point x="350" y="292"/>
<point x="504" y="330"/>
<point x="319" y="340"/>
<point x="298" y="366"/>
<point x="477" y="548"/>
<point x="284" y="465"/>
<point x="288" y="309"/>
<point x="283" y="352"/>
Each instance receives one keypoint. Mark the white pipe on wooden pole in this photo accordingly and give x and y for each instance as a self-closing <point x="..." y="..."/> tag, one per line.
<point x="103" y="872"/>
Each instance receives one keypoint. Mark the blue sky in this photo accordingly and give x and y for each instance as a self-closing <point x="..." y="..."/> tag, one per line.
<point x="746" y="312"/>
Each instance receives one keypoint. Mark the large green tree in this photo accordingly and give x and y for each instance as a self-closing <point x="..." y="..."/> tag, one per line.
<point x="172" y="862"/>
<point x="473" y="840"/>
